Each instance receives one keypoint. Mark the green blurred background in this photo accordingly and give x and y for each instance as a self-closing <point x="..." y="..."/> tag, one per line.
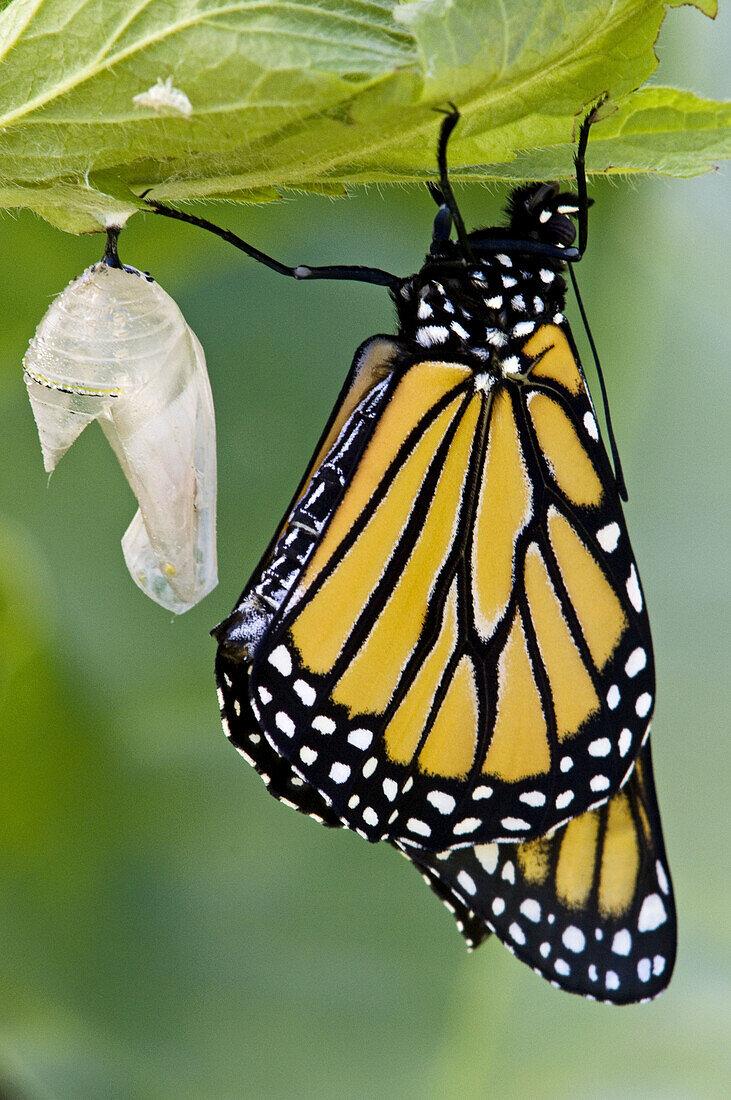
<point x="168" y="930"/>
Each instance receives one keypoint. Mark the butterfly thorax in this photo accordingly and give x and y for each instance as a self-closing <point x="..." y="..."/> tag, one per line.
<point x="482" y="308"/>
<point x="481" y="315"/>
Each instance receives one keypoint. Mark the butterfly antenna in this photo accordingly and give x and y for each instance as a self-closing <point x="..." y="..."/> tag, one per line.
<point x="618" y="474"/>
<point x="447" y="194"/>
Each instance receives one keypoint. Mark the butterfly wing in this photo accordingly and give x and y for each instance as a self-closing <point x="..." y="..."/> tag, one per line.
<point x="284" y="784"/>
<point x="590" y="908"/>
<point x="462" y="654"/>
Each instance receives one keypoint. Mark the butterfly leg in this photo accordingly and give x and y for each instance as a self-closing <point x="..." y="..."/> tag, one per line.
<point x="353" y="273"/>
<point x="446" y="198"/>
<point x="580" y="163"/>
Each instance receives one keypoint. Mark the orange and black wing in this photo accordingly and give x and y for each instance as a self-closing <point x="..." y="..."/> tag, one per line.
<point x="590" y="908"/>
<point x="461" y="651"/>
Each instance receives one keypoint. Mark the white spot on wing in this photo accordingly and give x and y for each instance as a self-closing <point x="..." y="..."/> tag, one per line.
<point x="284" y="723"/>
<point x="652" y="913"/>
<point x="487" y="856"/>
<point x="369" y="767"/>
<point x="608" y="537"/>
<point x="633" y="589"/>
<point x="517" y="933"/>
<point x="441" y="801"/>
<point x="662" y="878"/>
<point x="361" y="739"/>
<point x="643" y="704"/>
<point x="281" y="660"/>
<point x="305" y="691"/>
<point x="591" y="426"/>
<point x="467" y="882"/>
<point x="625" y="741"/>
<point x="531" y="909"/>
<point x="643" y="970"/>
<point x="307" y="755"/>
<point x="466" y="825"/>
<point x="390" y="789"/>
<point x="635" y="662"/>
<point x="574" y="939"/>
<point x="622" y="942"/>
<point x="339" y="773"/>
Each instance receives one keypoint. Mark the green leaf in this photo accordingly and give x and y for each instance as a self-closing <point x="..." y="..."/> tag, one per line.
<point x="655" y="129"/>
<point x="242" y="99"/>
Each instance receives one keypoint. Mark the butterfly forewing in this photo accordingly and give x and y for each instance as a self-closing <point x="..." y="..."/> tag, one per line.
<point x="463" y="654"/>
<point x="590" y="908"/>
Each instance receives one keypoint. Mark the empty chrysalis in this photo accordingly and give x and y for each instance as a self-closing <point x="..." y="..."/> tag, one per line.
<point x="114" y="347"/>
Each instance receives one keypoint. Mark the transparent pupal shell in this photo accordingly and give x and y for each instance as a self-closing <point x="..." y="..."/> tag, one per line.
<point x="114" y="347"/>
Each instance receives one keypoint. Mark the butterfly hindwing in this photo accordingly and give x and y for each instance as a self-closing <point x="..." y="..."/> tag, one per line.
<point x="590" y="908"/>
<point x="463" y="654"/>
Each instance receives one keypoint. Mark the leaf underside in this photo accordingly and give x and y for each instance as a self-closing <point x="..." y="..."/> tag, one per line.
<point x="244" y="99"/>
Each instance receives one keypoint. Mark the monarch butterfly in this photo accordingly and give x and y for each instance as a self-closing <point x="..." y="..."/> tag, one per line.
<point x="114" y="347"/>
<point x="446" y="645"/>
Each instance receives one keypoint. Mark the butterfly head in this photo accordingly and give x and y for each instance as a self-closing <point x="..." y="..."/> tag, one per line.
<point x="542" y="212"/>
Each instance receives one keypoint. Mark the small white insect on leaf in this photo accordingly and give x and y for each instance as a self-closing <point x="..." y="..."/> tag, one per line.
<point x="163" y="98"/>
<point x="114" y="347"/>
